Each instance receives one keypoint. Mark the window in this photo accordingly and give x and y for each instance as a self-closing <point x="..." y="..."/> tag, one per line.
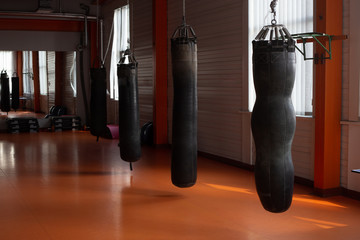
<point x="28" y="82"/>
<point x="120" y="43"/>
<point x="43" y="73"/>
<point x="297" y="16"/>
<point x="8" y="63"/>
<point x="73" y="73"/>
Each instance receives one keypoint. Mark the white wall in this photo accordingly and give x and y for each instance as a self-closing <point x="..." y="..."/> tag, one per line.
<point x="39" y="41"/>
<point x="350" y="154"/>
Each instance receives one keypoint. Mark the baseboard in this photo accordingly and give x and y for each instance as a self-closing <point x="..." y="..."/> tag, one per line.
<point x="351" y="194"/>
<point x="161" y="145"/>
<point x="227" y="161"/>
<point x="340" y="191"/>
<point x="304" y="181"/>
<point x="330" y="192"/>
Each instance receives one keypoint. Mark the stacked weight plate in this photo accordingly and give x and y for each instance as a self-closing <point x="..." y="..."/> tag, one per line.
<point x="62" y="123"/>
<point x="17" y="125"/>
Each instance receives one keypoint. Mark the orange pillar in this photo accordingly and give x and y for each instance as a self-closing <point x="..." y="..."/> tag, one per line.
<point x="19" y="70"/>
<point x="35" y="61"/>
<point x="59" y="78"/>
<point x="328" y="80"/>
<point x="160" y="72"/>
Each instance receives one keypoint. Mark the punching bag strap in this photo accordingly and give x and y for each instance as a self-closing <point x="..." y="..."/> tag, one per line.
<point x="184" y="31"/>
<point x="128" y="58"/>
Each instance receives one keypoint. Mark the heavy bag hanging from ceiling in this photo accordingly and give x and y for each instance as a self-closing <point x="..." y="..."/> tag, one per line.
<point x="15" y="92"/>
<point x="184" y="123"/>
<point x="5" y="92"/>
<point x="273" y="119"/>
<point x="98" y="113"/>
<point x="129" y="120"/>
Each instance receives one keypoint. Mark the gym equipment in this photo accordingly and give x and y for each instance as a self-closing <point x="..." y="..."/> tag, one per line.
<point x="5" y="92"/>
<point x="56" y="111"/>
<point x="184" y="126"/>
<point x="98" y="113"/>
<point x="129" y="120"/>
<point x="15" y="102"/>
<point x="61" y="123"/>
<point x="112" y="132"/>
<point x="19" y="125"/>
<point x="273" y="119"/>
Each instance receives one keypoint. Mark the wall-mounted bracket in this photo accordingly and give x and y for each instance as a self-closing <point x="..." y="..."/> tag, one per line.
<point x="317" y="38"/>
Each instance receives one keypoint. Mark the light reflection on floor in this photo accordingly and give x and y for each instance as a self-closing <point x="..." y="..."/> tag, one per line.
<point x="65" y="185"/>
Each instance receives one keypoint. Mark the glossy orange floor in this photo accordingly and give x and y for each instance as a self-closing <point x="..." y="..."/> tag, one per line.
<point x="65" y="185"/>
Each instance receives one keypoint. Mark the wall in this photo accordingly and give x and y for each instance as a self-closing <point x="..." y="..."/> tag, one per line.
<point x="63" y="6"/>
<point x="221" y="47"/>
<point x="143" y="50"/>
<point x="39" y="41"/>
<point x="350" y="102"/>
<point x="223" y="118"/>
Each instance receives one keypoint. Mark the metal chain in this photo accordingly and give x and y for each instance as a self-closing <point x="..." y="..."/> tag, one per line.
<point x="273" y="11"/>
<point x="184" y="12"/>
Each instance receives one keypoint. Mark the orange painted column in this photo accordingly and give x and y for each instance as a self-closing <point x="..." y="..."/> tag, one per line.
<point x="160" y="114"/>
<point x="328" y="80"/>
<point x="59" y="77"/>
<point x="19" y="70"/>
<point x="35" y="63"/>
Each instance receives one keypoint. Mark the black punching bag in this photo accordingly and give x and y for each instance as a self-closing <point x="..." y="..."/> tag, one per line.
<point x="129" y="120"/>
<point x="15" y="102"/>
<point x="184" y="121"/>
<point x="273" y="119"/>
<point x="98" y="113"/>
<point x="5" y="93"/>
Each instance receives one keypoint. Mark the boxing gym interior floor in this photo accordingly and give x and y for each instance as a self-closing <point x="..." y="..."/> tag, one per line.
<point x="65" y="185"/>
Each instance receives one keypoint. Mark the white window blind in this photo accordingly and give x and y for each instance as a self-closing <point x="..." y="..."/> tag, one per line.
<point x="43" y="73"/>
<point x="8" y="63"/>
<point x="120" y="43"/>
<point x="298" y="17"/>
<point x="28" y="82"/>
<point x="73" y="75"/>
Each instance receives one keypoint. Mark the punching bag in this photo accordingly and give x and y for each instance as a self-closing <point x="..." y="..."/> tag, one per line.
<point x="129" y="120"/>
<point x="184" y="121"/>
<point x="98" y="113"/>
<point x="15" y="93"/>
<point x="273" y="119"/>
<point x="5" y="92"/>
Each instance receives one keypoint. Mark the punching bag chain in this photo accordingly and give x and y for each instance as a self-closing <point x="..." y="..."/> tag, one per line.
<point x="184" y="22"/>
<point x="273" y="11"/>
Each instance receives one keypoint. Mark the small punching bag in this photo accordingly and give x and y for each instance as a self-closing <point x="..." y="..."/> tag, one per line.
<point x="5" y="92"/>
<point x="129" y="120"/>
<point x="184" y="122"/>
<point x="15" y="102"/>
<point x="273" y="119"/>
<point x="98" y="113"/>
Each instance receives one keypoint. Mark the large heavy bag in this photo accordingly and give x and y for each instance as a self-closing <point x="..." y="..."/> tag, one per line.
<point x="98" y="113"/>
<point x="129" y="119"/>
<point x="5" y="92"/>
<point x="184" y="123"/>
<point x="273" y="119"/>
<point x="15" y="102"/>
